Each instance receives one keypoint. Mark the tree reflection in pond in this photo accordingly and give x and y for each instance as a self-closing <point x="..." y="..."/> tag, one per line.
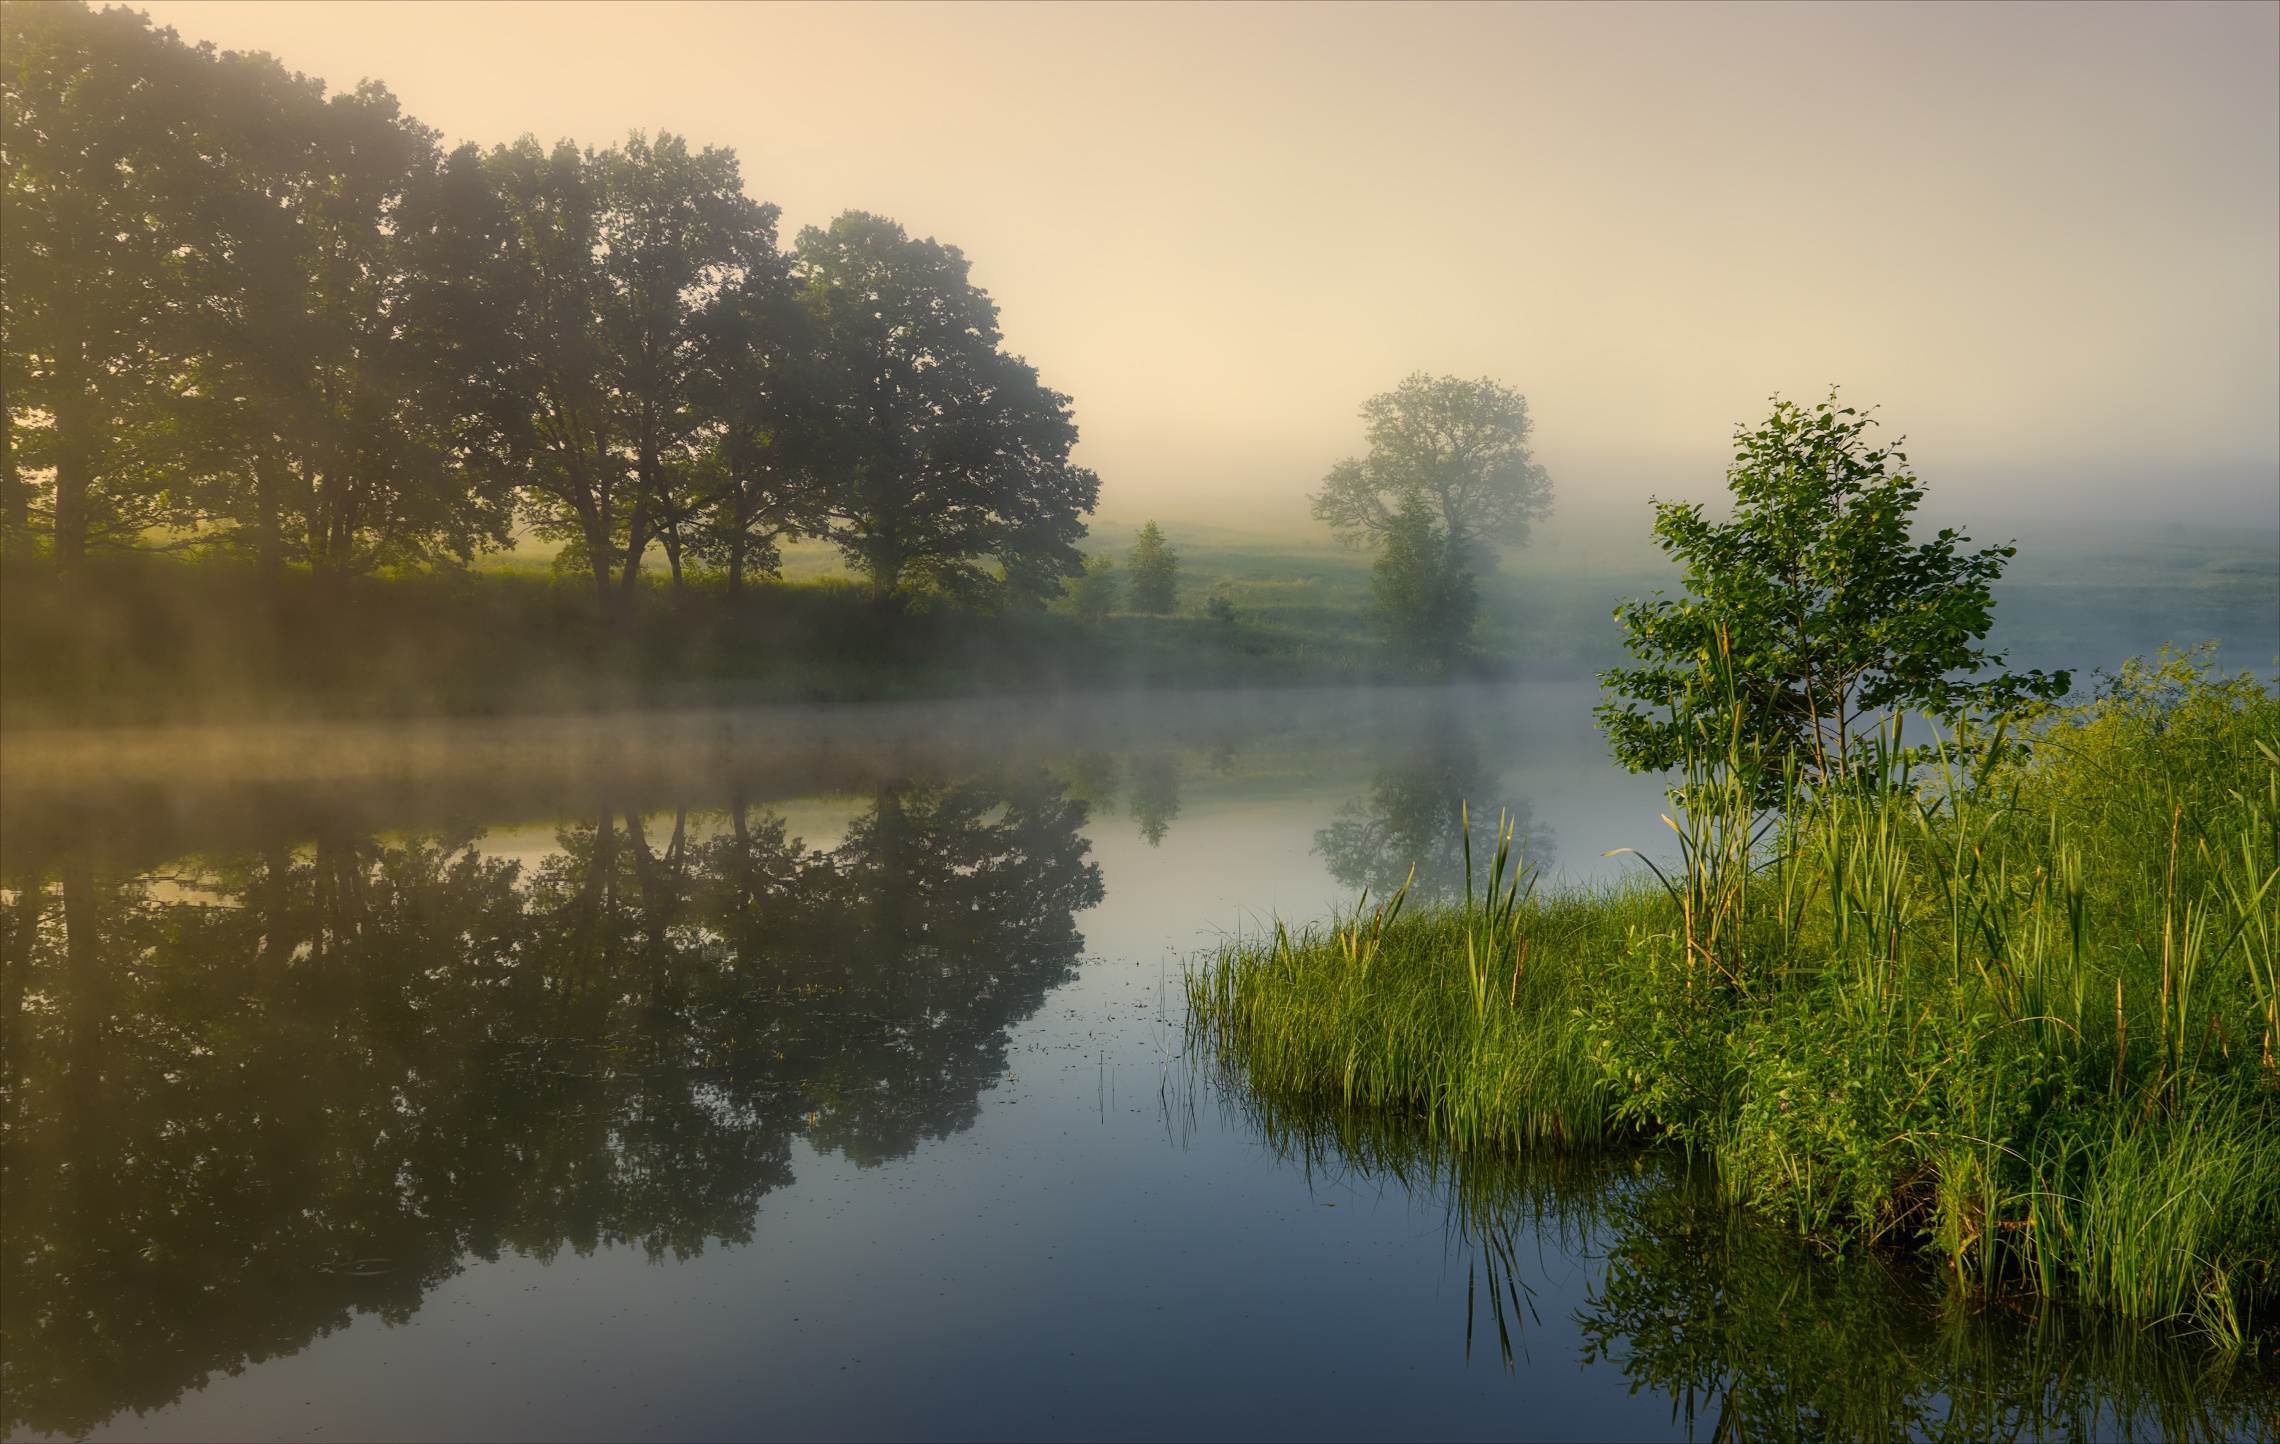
<point x="1418" y="808"/>
<point x="250" y="1096"/>
<point x="1155" y="794"/>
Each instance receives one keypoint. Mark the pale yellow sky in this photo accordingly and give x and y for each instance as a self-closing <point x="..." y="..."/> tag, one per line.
<point x="2045" y="238"/>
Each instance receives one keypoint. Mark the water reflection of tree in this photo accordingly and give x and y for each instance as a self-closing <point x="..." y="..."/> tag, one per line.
<point x="248" y="1097"/>
<point x="1753" y="1332"/>
<point x="1155" y="794"/>
<point x="1416" y="814"/>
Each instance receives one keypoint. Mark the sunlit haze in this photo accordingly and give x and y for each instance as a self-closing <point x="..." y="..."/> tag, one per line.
<point x="2044" y="239"/>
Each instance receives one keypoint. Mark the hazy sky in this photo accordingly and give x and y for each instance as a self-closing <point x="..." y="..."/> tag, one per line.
<point x="2044" y="238"/>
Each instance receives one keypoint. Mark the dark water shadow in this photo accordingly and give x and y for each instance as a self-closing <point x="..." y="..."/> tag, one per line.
<point x="1752" y="1332"/>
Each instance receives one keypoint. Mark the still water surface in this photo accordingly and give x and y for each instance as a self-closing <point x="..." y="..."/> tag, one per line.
<point x="821" y="1073"/>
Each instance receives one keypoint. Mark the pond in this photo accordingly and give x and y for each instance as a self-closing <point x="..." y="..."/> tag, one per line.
<point x="821" y="1073"/>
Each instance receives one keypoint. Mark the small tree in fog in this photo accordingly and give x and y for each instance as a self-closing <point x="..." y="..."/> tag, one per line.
<point x="1091" y="594"/>
<point x="1827" y="607"/>
<point x="1155" y="569"/>
<point x="1461" y="446"/>
<point x="1423" y="601"/>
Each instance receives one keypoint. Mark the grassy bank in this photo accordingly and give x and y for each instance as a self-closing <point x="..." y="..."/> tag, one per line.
<point x="149" y="638"/>
<point x="2020" y="1015"/>
<point x="142" y="639"/>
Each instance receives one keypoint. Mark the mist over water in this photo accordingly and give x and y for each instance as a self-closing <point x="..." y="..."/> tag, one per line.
<point x="786" y="1072"/>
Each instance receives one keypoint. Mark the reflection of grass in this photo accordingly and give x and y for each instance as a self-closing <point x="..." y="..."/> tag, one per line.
<point x="1751" y="1330"/>
<point x="1759" y="1335"/>
<point x="2028" y="1024"/>
<point x="1497" y="1203"/>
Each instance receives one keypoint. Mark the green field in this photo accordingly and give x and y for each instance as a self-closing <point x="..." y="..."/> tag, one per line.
<point x="150" y="637"/>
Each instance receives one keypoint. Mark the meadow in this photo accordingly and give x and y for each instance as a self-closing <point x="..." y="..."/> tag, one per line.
<point x="2010" y="1005"/>
<point x="149" y="638"/>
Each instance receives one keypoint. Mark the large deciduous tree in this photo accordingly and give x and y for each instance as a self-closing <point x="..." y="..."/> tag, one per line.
<point x="952" y="454"/>
<point x="103" y="173"/>
<point x="613" y="261"/>
<point x="1814" y="607"/>
<point x="323" y="395"/>
<point x="763" y="391"/>
<point x="211" y="270"/>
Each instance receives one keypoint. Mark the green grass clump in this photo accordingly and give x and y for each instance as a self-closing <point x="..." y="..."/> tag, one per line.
<point x="2017" y="1009"/>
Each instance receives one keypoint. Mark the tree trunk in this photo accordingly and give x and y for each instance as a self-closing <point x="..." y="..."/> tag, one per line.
<point x="637" y="535"/>
<point x="312" y="522"/>
<point x="605" y="585"/>
<point x="327" y="524"/>
<point x="885" y="563"/>
<point x="636" y="547"/>
<point x="268" y="529"/>
<point x="593" y="521"/>
<point x="15" y="974"/>
<point x="15" y="498"/>
<point x="74" y="478"/>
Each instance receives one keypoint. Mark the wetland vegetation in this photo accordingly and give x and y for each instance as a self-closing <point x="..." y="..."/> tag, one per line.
<point x="2021" y="1020"/>
<point x="2010" y="999"/>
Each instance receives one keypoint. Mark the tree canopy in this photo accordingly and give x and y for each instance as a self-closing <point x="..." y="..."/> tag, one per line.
<point x="1461" y="445"/>
<point x="1815" y="599"/>
<point x="1155" y="567"/>
<point x="952" y="452"/>
<point x="244" y="316"/>
<point x="1422" y="597"/>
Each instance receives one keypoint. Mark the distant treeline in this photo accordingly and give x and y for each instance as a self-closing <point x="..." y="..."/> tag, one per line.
<point x="247" y="318"/>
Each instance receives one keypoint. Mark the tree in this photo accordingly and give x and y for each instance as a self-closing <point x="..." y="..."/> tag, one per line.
<point x="1424" y="601"/>
<point x="98" y="254"/>
<point x="1462" y="446"/>
<point x="762" y="393"/>
<point x="1155" y="569"/>
<point x="1091" y="594"/>
<point x="1816" y="601"/>
<point x="952" y="453"/>
<point x="321" y="401"/>
<point x="610" y="263"/>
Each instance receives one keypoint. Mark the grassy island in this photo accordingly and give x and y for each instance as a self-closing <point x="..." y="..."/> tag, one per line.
<point x="2010" y="1002"/>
